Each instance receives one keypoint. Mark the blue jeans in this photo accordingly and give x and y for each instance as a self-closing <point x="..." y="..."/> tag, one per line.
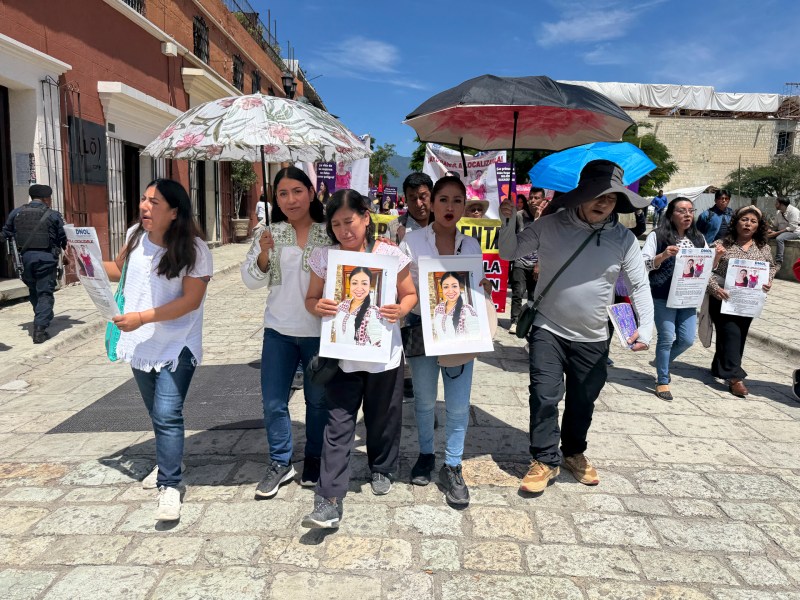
<point x="280" y="356"/>
<point x="457" y="387"/>
<point x="163" y="393"/>
<point x="676" y="328"/>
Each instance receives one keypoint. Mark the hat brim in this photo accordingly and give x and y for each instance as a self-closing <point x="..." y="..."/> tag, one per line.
<point x="627" y="201"/>
<point x="484" y="203"/>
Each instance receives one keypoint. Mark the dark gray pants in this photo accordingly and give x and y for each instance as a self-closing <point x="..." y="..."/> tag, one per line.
<point x="382" y="395"/>
<point x="40" y="277"/>
<point x="584" y="365"/>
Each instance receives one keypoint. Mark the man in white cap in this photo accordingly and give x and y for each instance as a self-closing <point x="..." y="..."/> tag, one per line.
<point x="569" y="338"/>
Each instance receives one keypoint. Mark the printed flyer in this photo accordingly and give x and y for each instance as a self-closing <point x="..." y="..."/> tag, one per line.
<point x="84" y="252"/>
<point x="743" y="283"/>
<point x="690" y="278"/>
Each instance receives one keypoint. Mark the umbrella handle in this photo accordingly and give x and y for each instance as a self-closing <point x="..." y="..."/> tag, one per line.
<point x="264" y="177"/>
<point x="513" y="144"/>
<point x="463" y="159"/>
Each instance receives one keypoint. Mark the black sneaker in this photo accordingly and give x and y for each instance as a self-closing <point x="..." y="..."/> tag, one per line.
<point x="408" y="388"/>
<point x="381" y="484"/>
<point x="796" y="383"/>
<point x="455" y="490"/>
<point x="327" y="513"/>
<point x="40" y="335"/>
<point x="276" y="476"/>
<point x="310" y="471"/>
<point x="421" y="471"/>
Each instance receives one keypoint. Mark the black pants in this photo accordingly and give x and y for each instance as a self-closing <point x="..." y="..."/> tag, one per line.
<point x="40" y="277"/>
<point x="382" y="395"/>
<point x="584" y="365"/>
<point x="731" y="336"/>
<point x="522" y="285"/>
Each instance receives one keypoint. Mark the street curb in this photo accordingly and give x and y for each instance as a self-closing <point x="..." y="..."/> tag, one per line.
<point x="92" y="329"/>
<point x="784" y="348"/>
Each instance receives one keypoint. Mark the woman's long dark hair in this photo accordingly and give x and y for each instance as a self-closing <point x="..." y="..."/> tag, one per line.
<point x="759" y="237"/>
<point x="362" y="310"/>
<point x="460" y="302"/>
<point x="354" y="201"/>
<point x="179" y="239"/>
<point x="667" y="233"/>
<point x="316" y="210"/>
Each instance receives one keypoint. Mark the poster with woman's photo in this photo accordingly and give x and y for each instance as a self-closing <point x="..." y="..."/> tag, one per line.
<point x="326" y="177"/>
<point x="690" y="277"/>
<point x="84" y="252"/>
<point x="743" y="283"/>
<point x="359" y="283"/>
<point x="453" y="306"/>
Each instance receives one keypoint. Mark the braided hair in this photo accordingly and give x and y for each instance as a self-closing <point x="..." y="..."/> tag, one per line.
<point x="460" y="302"/>
<point x="362" y="310"/>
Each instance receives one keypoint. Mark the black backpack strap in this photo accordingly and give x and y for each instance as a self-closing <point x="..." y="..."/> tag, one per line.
<point x="562" y="269"/>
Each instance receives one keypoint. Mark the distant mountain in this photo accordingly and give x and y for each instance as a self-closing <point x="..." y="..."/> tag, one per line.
<point x="401" y="164"/>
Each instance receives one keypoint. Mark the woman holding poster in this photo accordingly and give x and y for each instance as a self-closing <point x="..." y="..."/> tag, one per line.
<point x="442" y="238"/>
<point x="676" y="327"/>
<point x="746" y="239"/>
<point x="167" y="268"/>
<point x="278" y="259"/>
<point x="377" y="388"/>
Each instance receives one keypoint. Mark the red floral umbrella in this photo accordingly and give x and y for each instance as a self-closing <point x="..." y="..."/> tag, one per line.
<point x="532" y="113"/>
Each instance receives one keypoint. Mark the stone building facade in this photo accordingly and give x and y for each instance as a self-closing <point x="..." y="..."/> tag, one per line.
<point x="707" y="149"/>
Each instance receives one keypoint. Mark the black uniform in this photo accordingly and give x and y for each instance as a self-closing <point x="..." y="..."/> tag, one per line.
<point x="39" y="233"/>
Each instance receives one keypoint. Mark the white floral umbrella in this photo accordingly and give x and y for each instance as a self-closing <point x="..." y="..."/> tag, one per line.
<point x="241" y="127"/>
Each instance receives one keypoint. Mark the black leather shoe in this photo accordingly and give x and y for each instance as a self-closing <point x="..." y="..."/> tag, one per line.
<point x="40" y="335"/>
<point x="421" y="471"/>
<point x="455" y="490"/>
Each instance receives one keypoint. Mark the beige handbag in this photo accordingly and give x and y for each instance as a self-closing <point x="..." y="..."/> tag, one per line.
<point x="456" y="360"/>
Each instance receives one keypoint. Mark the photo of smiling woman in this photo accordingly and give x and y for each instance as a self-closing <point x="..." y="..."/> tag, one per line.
<point x="357" y="318"/>
<point x="452" y="317"/>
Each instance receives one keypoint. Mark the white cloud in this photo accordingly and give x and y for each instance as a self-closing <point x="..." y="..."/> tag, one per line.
<point x="362" y="54"/>
<point x="589" y="22"/>
<point x="606" y="54"/>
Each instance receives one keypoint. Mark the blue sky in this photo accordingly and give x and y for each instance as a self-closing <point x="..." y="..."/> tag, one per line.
<point x="379" y="60"/>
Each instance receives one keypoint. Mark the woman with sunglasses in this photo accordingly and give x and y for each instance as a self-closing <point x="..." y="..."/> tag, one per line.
<point x="676" y="327"/>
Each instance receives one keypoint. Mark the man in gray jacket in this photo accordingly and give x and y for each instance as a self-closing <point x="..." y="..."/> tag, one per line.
<point x="570" y="336"/>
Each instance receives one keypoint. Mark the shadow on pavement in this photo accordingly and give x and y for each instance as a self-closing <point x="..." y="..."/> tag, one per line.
<point x="57" y="325"/>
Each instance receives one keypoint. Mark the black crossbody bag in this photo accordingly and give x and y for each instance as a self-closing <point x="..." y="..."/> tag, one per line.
<point x="528" y="313"/>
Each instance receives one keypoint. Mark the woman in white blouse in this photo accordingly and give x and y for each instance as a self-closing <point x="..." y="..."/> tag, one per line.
<point x="357" y="320"/>
<point x="377" y="388"/>
<point x="278" y="259"/>
<point x="167" y="268"/>
<point x="441" y="238"/>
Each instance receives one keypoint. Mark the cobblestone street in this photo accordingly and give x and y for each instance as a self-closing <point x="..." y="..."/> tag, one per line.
<point x="699" y="498"/>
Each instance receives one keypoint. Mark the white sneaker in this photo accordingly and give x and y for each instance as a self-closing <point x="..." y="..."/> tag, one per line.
<point x="151" y="481"/>
<point x="169" y="504"/>
<point x="513" y="329"/>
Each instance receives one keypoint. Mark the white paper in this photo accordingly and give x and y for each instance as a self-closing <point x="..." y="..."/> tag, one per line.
<point x="690" y="278"/>
<point x="469" y="331"/>
<point x="85" y="254"/>
<point x="372" y="340"/>
<point x="743" y="282"/>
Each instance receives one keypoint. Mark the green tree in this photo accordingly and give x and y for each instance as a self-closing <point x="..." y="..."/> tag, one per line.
<point x="417" y="156"/>
<point x="379" y="162"/>
<point x="779" y="178"/>
<point x="243" y="177"/>
<point x="658" y="153"/>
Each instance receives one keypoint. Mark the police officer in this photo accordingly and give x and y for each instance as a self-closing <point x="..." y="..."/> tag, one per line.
<point x="39" y="234"/>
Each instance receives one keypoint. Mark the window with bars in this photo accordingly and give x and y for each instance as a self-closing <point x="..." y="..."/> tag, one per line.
<point x="137" y="5"/>
<point x="200" y="39"/>
<point x="785" y="142"/>
<point x="238" y="72"/>
<point x="256" y="82"/>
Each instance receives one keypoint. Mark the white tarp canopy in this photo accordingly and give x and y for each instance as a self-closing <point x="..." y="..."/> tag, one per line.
<point x="688" y="192"/>
<point x="690" y="97"/>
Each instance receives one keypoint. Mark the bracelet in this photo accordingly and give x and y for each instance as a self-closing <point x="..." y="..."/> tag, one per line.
<point x="141" y="320"/>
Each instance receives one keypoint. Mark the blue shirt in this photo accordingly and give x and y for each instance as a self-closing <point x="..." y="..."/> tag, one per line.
<point x="659" y="203"/>
<point x="713" y="223"/>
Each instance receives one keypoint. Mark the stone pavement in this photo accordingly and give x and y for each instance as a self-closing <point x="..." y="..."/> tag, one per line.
<point x="699" y="498"/>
